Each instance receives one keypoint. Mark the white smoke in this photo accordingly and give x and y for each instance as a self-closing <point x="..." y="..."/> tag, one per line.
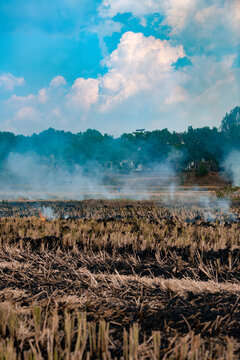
<point x="48" y="213"/>
<point x="232" y="167"/>
<point x="33" y="177"/>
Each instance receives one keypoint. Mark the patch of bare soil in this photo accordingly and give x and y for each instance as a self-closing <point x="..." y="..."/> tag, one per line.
<point x="212" y="179"/>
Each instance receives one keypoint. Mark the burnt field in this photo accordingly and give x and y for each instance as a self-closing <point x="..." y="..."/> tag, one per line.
<point x="118" y="279"/>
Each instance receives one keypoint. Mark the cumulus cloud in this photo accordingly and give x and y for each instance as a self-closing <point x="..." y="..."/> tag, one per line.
<point x="141" y="87"/>
<point x="110" y="8"/>
<point x="42" y="96"/>
<point x="236" y="11"/>
<point x="208" y="89"/>
<point x="57" y="112"/>
<point x="141" y="69"/>
<point x="103" y="29"/>
<point x="138" y="64"/>
<point x="58" y="81"/>
<point x="9" y="81"/>
<point x="107" y="28"/>
<point x="26" y="113"/>
<point x="214" y="88"/>
<point x="84" y="93"/>
<point x="212" y="20"/>
<point x="15" y="99"/>
<point x="226" y="13"/>
<point x="178" y="94"/>
<point x="176" y="12"/>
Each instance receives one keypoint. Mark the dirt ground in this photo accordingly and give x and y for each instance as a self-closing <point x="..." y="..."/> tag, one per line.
<point x="212" y="179"/>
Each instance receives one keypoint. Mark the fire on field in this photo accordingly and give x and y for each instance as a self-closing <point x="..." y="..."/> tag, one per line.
<point x="118" y="279"/>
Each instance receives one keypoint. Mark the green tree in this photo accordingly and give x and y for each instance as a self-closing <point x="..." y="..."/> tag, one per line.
<point x="202" y="169"/>
<point x="231" y="120"/>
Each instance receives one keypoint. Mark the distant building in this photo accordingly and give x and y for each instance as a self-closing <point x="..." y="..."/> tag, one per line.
<point x="139" y="168"/>
<point x="139" y="131"/>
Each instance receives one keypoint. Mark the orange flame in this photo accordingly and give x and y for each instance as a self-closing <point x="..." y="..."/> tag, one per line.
<point x="41" y="216"/>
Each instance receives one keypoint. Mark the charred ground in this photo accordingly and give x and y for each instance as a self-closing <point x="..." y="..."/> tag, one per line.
<point x="163" y="279"/>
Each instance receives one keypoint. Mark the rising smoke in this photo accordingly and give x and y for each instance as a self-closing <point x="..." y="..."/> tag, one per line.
<point x="30" y="176"/>
<point x="231" y="166"/>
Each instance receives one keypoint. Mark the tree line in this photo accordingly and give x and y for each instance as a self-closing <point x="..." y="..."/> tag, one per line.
<point x="187" y="150"/>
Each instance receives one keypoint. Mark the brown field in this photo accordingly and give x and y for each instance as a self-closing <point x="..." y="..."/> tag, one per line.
<point x="118" y="280"/>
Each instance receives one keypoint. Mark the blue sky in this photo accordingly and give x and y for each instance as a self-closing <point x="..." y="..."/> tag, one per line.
<point x="116" y="65"/>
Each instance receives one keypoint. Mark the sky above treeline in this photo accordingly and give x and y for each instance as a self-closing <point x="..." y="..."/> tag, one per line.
<point x="117" y="65"/>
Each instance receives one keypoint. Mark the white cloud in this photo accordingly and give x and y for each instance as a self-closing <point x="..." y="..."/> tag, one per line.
<point x="57" y="112"/>
<point x="211" y="88"/>
<point x="42" y="96"/>
<point x="201" y="18"/>
<point x="141" y="88"/>
<point x="138" y="64"/>
<point x="141" y="80"/>
<point x="104" y="29"/>
<point x="26" y="113"/>
<point x="179" y="94"/>
<point x="175" y="11"/>
<point x="9" y="82"/>
<point x="215" y="13"/>
<point x="217" y="81"/>
<point x="14" y="99"/>
<point x="84" y="93"/>
<point x="178" y="13"/>
<point x="110" y="8"/>
<point x="58" y="81"/>
<point x="236" y="11"/>
<point x="207" y="71"/>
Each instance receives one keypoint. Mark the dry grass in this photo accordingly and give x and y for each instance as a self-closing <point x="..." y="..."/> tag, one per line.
<point x="119" y="280"/>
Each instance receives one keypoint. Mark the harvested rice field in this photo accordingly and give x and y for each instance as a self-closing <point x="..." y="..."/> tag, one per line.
<point x="102" y="279"/>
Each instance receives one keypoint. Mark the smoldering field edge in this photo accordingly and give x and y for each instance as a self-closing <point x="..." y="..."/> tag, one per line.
<point x="61" y="164"/>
